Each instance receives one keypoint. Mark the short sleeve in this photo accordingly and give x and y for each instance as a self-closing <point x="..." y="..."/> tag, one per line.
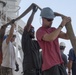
<point x="71" y="55"/>
<point x="39" y="34"/>
<point x="4" y="43"/>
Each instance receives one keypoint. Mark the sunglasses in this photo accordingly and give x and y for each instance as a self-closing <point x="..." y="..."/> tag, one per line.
<point x="48" y="19"/>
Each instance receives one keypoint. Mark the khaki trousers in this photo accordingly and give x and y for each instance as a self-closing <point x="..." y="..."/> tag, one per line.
<point x="6" y="71"/>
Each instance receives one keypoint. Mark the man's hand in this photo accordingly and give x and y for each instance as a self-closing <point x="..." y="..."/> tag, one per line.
<point x="65" y="20"/>
<point x="35" y="8"/>
<point x="12" y="21"/>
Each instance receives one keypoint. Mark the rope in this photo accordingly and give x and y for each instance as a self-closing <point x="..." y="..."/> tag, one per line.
<point x="71" y="36"/>
<point x="23" y="14"/>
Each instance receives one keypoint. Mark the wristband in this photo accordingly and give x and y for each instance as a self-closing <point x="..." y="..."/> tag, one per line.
<point x="61" y="26"/>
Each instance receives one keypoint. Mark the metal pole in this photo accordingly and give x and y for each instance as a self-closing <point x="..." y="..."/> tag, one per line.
<point x="17" y="36"/>
<point x="71" y="35"/>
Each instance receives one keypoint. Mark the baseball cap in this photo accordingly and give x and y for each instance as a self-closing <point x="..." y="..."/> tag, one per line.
<point x="47" y="13"/>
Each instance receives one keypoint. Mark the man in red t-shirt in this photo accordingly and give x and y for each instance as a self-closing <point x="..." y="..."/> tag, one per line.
<point x="47" y="37"/>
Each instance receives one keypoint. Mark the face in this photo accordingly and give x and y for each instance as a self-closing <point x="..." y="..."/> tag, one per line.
<point x="62" y="47"/>
<point x="47" y="22"/>
<point x="32" y="32"/>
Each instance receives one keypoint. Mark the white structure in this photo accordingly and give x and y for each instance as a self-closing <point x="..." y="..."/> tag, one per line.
<point x="8" y="7"/>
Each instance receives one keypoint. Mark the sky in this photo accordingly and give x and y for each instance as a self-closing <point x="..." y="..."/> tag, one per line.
<point x="66" y="7"/>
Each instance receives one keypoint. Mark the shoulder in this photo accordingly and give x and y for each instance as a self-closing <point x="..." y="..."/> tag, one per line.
<point x="71" y="54"/>
<point x="40" y="31"/>
<point x="41" y="28"/>
<point x="71" y="50"/>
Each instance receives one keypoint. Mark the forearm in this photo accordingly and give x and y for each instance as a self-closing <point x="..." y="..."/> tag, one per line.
<point x="30" y="19"/>
<point x="52" y="36"/>
<point x="66" y="36"/>
<point x="69" y="66"/>
<point x="28" y="25"/>
<point x="10" y="34"/>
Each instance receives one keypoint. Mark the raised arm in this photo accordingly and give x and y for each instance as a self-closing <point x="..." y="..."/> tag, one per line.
<point x="28" y="25"/>
<point x="56" y="33"/>
<point x="11" y="33"/>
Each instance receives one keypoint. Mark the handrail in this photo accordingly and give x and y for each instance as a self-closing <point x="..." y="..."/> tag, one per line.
<point x="24" y="13"/>
<point x="4" y="4"/>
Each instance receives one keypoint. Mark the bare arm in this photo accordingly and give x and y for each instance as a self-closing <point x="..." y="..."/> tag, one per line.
<point x="52" y="36"/>
<point x="28" y="25"/>
<point x="69" y="67"/>
<point x="10" y="34"/>
<point x="64" y="35"/>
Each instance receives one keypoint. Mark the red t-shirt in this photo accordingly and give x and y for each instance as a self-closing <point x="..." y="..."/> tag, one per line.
<point x="50" y="49"/>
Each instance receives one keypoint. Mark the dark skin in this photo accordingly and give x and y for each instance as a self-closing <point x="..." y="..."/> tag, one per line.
<point x="28" y="26"/>
<point x="2" y="32"/>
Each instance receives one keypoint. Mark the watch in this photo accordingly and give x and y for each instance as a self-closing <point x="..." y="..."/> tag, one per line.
<point x="61" y="26"/>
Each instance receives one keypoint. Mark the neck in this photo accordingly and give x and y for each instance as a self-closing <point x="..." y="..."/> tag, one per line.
<point x="45" y="26"/>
